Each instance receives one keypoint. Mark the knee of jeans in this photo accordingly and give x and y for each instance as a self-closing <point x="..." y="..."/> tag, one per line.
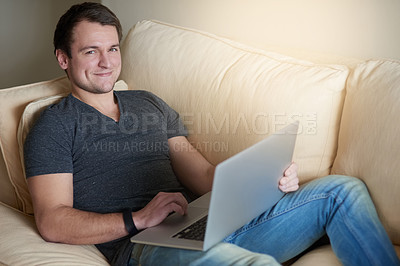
<point x="224" y="247"/>
<point x="230" y="254"/>
<point x="352" y="185"/>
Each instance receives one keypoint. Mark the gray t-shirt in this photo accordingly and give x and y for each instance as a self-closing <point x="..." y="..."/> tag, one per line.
<point x="115" y="165"/>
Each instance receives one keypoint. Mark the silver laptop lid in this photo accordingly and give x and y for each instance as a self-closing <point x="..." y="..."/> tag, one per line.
<point x="246" y="184"/>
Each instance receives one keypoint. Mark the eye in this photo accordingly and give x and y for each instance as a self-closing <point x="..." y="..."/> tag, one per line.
<point x="114" y="49"/>
<point x="90" y="52"/>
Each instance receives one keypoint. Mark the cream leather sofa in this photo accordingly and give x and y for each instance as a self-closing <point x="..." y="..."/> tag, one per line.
<point x="229" y="95"/>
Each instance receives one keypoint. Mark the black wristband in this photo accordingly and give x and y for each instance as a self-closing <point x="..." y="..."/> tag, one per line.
<point x="128" y="221"/>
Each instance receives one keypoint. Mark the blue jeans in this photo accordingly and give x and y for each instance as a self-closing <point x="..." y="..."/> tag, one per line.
<point x="338" y="206"/>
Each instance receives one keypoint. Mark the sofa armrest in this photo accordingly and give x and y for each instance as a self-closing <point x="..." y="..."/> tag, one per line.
<point x="21" y="244"/>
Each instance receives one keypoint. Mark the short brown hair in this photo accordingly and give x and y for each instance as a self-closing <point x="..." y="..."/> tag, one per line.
<point x="92" y="12"/>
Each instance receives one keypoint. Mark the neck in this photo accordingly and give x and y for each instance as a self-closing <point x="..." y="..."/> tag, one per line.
<point x="105" y="103"/>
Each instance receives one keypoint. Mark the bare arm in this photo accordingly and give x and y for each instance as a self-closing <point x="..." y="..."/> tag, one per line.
<point x="58" y="221"/>
<point x="196" y="173"/>
<point x="191" y="168"/>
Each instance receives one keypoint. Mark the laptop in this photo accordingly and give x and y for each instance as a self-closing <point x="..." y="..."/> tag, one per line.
<point x="244" y="186"/>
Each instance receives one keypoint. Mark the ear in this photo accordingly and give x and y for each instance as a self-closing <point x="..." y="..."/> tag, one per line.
<point x="62" y="59"/>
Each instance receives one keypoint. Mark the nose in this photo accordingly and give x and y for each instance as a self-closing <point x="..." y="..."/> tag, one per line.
<point x="104" y="60"/>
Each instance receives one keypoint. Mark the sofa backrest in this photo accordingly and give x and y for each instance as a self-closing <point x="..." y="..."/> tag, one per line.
<point x="231" y="95"/>
<point x="369" y="140"/>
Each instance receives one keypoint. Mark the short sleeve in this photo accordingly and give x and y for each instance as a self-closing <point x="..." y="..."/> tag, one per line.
<point x="174" y="126"/>
<point x="48" y="146"/>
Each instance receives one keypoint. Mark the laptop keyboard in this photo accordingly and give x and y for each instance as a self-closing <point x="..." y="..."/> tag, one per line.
<point x="195" y="231"/>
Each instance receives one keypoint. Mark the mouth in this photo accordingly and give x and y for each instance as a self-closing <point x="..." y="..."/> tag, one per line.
<point x="104" y="74"/>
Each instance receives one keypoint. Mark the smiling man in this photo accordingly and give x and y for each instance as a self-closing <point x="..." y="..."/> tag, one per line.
<point x="86" y="195"/>
<point x="93" y="65"/>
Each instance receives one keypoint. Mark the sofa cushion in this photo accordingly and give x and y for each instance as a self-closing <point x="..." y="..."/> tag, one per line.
<point x="231" y="95"/>
<point x="322" y="255"/>
<point x="19" y="107"/>
<point x="369" y="140"/>
<point x="21" y="244"/>
<point x="28" y="118"/>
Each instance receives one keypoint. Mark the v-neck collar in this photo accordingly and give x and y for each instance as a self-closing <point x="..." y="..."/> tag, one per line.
<point x="100" y="113"/>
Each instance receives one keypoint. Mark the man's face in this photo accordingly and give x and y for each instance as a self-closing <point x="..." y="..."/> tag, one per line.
<point x="95" y="62"/>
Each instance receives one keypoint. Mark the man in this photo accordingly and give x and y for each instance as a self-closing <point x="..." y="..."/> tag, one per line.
<point x="91" y="184"/>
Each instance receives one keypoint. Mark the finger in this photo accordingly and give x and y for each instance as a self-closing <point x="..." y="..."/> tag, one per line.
<point x="289" y="183"/>
<point x="283" y="181"/>
<point x="288" y="179"/>
<point x="178" y="199"/>
<point x="181" y="201"/>
<point x="174" y="207"/>
<point x="166" y="198"/>
<point x="289" y="189"/>
<point x="291" y="169"/>
<point x="293" y="185"/>
<point x="293" y="178"/>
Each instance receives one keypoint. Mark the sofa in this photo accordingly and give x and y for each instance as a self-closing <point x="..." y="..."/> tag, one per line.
<point x="229" y="96"/>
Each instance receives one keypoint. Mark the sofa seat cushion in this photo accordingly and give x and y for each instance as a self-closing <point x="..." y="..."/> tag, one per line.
<point x="369" y="140"/>
<point x="21" y="244"/>
<point x="231" y="95"/>
<point x="325" y="256"/>
<point x="322" y="255"/>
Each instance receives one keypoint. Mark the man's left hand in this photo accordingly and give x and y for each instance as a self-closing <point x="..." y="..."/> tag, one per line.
<point x="290" y="181"/>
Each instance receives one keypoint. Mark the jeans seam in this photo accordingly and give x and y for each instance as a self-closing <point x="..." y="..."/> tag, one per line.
<point x="244" y="229"/>
<point x="360" y="243"/>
